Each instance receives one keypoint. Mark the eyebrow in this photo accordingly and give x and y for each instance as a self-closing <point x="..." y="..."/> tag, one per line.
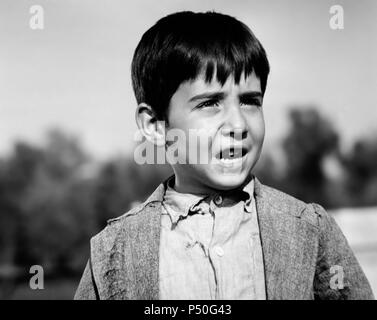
<point x="208" y="95"/>
<point x="220" y="95"/>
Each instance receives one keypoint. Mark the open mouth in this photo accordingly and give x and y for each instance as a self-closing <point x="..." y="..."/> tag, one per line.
<point x="231" y="154"/>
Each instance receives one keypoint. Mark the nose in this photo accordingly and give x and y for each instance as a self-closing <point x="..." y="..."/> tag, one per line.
<point x="235" y="125"/>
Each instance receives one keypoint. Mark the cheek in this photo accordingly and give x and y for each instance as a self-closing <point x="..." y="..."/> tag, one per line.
<point x="185" y="121"/>
<point x="261" y="131"/>
<point x="257" y="129"/>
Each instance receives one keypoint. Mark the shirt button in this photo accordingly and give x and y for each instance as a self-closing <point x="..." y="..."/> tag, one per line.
<point x="218" y="200"/>
<point x="219" y="251"/>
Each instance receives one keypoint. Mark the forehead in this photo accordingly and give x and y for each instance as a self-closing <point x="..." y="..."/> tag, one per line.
<point x="199" y="85"/>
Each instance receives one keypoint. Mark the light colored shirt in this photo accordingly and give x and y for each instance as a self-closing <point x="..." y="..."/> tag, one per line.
<point x="210" y="246"/>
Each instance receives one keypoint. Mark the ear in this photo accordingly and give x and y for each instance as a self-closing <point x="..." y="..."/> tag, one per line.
<point x="152" y="129"/>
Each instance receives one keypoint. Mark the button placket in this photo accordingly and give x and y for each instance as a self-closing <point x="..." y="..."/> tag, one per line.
<point x="219" y="251"/>
<point x="218" y="200"/>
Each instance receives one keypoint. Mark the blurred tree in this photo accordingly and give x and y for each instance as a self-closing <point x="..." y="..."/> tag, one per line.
<point x="16" y="176"/>
<point x="54" y="198"/>
<point x="47" y="205"/>
<point x="122" y="182"/>
<point x="311" y="138"/>
<point x="59" y="204"/>
<point x="361" y="168"/>
<point x="267" y="170"/>
<point x="63" y="155"/>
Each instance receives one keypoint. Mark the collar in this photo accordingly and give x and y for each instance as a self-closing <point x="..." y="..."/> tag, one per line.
<point x="179" y="205"/>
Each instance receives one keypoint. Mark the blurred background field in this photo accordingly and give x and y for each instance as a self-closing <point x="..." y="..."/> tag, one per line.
<point x="359" y="225"/>
<point x="67" y="124"/>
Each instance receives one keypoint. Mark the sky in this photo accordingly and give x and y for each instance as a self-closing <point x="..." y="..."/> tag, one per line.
<point x="75" y="73"/>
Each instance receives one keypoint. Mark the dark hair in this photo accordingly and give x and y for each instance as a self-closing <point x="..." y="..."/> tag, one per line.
<point x="182" y="45"/>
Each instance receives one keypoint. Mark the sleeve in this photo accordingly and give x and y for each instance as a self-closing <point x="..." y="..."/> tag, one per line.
<point x="338" y="274"/>
<point x="87" y="289"/>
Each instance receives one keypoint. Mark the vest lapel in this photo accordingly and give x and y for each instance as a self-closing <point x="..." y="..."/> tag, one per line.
<point x="145" y="253"/>
<point x="267" y="238"/>
<point x="282" y="236"/>
<point x="130" y="245"/>
<point x="146" y="247"/>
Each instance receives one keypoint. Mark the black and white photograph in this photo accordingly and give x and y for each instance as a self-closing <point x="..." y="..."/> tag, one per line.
<point x="188" y="151"/>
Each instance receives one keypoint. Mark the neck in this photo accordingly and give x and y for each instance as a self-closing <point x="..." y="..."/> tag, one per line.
<point x="182" y="185"/>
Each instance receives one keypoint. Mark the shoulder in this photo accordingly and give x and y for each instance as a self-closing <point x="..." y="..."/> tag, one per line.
<point x="138" y="219"/>
<point x="287" y="204"/>
<point x="125" y="227"/>
<point x="135" y="211"/>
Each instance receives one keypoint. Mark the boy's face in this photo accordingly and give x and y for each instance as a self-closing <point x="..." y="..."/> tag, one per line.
<point x="229" y="121"/>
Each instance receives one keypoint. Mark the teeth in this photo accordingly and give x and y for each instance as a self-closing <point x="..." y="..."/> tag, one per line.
<point x="227" y="160"/>
<point x="231" y="154"/>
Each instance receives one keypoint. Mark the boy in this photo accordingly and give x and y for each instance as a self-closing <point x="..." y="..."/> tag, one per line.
<point x="213" y="231"/>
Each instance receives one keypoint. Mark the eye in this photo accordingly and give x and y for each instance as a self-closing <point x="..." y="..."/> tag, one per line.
<point x="251" y="102"/>
<point x="208" y="104"/>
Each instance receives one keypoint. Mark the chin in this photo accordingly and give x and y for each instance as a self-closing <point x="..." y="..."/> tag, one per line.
<point x="228" y="181"/>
